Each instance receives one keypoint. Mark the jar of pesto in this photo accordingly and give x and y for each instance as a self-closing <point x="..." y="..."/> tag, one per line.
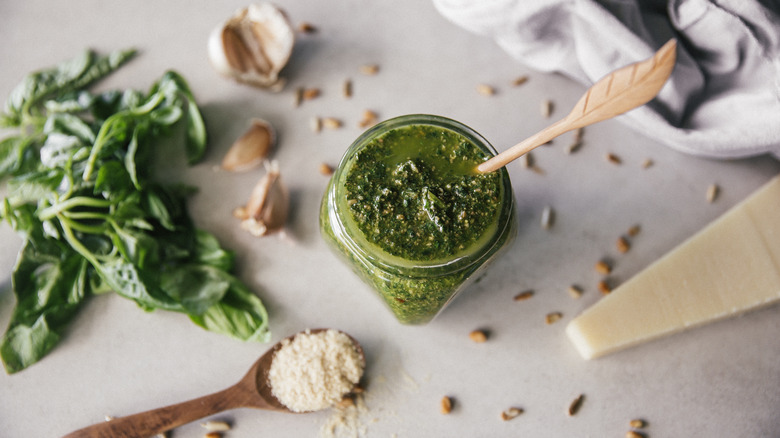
<point x="407" y="210"/>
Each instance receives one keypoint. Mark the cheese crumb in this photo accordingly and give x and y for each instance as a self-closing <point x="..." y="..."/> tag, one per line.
<point x="314" y="371"/>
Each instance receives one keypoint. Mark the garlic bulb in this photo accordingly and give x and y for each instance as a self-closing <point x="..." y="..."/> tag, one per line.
<point x="249" y="150"/>
<point x="266" y="210"/>
<point x="253" y="46"/>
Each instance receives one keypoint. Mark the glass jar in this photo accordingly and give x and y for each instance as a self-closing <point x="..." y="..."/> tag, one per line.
<point x="416" y="281"/>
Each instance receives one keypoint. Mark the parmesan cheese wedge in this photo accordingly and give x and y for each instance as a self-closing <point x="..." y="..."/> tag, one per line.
<point x="728" y="268"/>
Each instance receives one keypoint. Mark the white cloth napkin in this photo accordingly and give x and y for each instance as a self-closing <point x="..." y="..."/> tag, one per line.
<point x="723" y="99"/>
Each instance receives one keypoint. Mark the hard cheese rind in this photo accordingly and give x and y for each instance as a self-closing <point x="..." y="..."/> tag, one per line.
<point x="730" y="267"/>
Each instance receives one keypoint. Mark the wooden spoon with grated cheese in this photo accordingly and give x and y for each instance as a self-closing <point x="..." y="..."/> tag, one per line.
<point x="620" y="91"/>
<point x="254" y="390"/>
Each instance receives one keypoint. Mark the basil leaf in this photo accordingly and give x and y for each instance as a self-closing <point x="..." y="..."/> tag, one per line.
<point x="209" y="252"/>
<point x="161" y="207"/>
<point x="196" y="127"/>
<point x="240" y="314"/>
<point x="73" y="74"/>
<point x="196" y="287"/>
<point x="69" y="124"/>
<point x="12" y="152"/>
<point x="166" y="116"/>
<point x="35" y="186"/>
<point x="37" y="85"/>
<point x="22" y="218"/>
<point x="139" y="248"/>
<point x="129" y="214"/>
<point x="50" y="284"/>
<point x="107" y="103"/>
<point x="136" y="284"/>
<point x="73" y="102"/>
<point x="112" y="178"/>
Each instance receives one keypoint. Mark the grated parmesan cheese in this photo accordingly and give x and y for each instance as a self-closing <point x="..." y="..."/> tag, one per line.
<point x="314" y="371"/>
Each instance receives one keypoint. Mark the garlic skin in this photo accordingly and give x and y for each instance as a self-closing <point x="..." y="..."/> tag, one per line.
<point x="249" y="150"/>
<point x="253" y="45"/>
<point x="268" y="205"/>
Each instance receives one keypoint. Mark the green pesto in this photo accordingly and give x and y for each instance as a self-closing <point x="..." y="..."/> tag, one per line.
<point x="409" y="214"/>
<point x="413" y="192"/>
<point x="413" y="300"/>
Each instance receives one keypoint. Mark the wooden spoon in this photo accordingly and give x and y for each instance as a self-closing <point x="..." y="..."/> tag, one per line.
<point x="252" y="391"/>
<point x="620" y="91"/>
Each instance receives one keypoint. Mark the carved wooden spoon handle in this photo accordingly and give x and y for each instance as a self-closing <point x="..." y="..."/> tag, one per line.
<point x="620" y="91"/>
<point x="149" y="423"/>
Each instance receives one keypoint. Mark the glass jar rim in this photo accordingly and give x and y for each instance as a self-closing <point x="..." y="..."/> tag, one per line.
<point x="421" y="268"/>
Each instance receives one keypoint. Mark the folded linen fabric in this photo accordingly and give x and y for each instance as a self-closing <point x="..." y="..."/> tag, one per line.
<point x="723" y="99"/>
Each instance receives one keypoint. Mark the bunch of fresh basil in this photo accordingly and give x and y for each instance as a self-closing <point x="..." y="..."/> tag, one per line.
<point x="80" y="194"/>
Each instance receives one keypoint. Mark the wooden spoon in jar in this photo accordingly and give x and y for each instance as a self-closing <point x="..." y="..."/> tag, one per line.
<point x="622" y="90"/>
<point x="252" y="391"/>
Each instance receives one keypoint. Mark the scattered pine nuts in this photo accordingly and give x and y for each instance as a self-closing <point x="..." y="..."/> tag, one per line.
<point x="239" y="213"/>
<point x="369" y="119"/>
<point x="634" y="230"/>
<point x="478" y="336"/>
<point x="575" y="405"/>
<point x="298" y="97"/>
<point x="511" y="413"/>
<point x="520" y="81"/>
<point x="712" y="193"/>
<point x="315" y="123"/>
<point x="331" y="123"/>
<point x="346" y="402"/>
<point x="310" y="93"/>
<point x="527" y="160"/>
<point x="647" y="163"/>
<point x="637" y="423"/>
<point x="604" y="287"/>
<point x="369" y="69"/>
<point x="635" y="434"/>
<point x="307" y="28"/>
<point x="346" y="88"/>
<point x="548" y="217"/>
<point x="575" y="291"/>
<point x="553" y="317"/>
<point x="446" y="405"/>
<point x="485" y="90"/>
<point x="216" y="426"/>
<point x="622" y="245"/>
<point x="326" y="169"/>
<point x="602" y="267"/>
<point x="213" y="435"/>
<point x="614" y="159"/>
<point x="546" y="108"/>
<point x="578" y="134"/>
<point x="524" y="295"/>
<point x="573" y="147"/>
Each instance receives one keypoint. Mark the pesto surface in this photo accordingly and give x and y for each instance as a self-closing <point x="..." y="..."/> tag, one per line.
<point x="413" y="191"/>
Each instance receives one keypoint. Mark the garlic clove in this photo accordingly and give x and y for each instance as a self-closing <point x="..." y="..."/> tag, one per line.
<point x="268" y="205"/>
<point x="249" y="150"/>
<point x="253" y="45"/>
